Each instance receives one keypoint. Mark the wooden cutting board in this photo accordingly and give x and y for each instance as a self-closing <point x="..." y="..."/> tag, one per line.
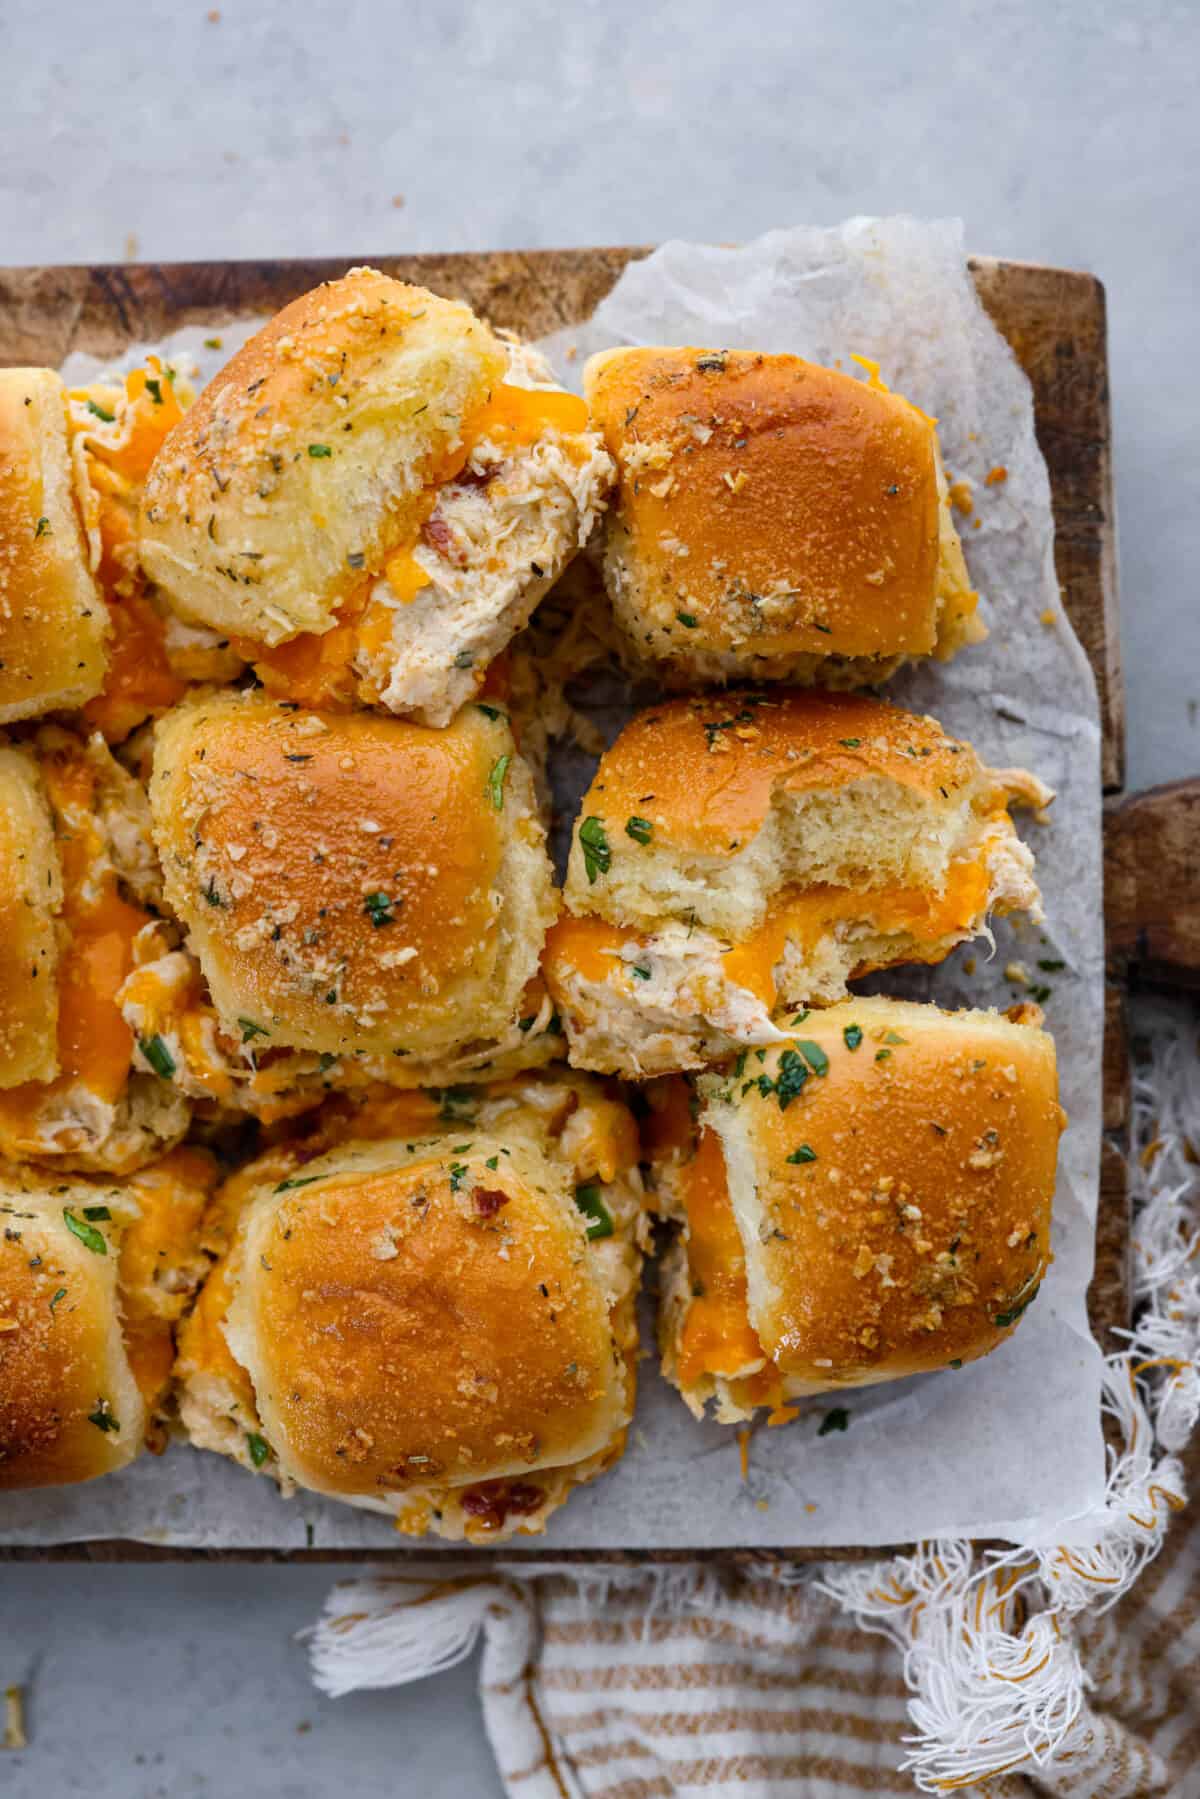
<point x="1054" y="320"/>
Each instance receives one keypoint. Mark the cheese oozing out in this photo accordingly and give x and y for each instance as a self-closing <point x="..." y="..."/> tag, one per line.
<point x="116" y="432"/>
<point x="504" y="512"/>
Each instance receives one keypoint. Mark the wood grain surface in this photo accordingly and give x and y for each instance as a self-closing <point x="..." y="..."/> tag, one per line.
<point x="1054" y="319"/>
<point x="1152" y="876"/>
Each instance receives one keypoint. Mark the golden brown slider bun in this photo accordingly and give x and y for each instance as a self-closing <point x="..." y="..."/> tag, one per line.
<point x="438" y="1325"/>
<point x="745" y="853"/>
<point x="53" y="621"/>
<point x="871" y="1201"/>
<point x="373" y="495"/>
<point x="77" y="874"/>
<point x="93" y="1278"/>
<point x="354" y="886"/>
<point x="775" y="520"/>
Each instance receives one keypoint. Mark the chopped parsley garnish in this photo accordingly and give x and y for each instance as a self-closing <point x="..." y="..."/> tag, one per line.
<point x="881" y="1055"/>
<point x="211" y="895"/>
<point x="325" y="1061"/>
<point x="317" y="451"/>
<point x="61" y="1294"/>
<point x="639" y="973"/>
<point x="956" y="1363"/>
<point x="455" y="1103"/>
<point x="88" y="1235"/>
<point x="850" y="743"/>
<point x="1016" y="1307"/>
<point x="250" y="1029"/>
<point x="379" y="909"/>
<point x="687" y="619"/>
<point x="158" y="1055"/>
<point x="102" y="1417"/>
<point x="1051" y="965"/>
<point x="1039" y="995"/>
<point x="852" y="1035"/>
<point x="297" y="1180"/>
<point x="837" y="1419"/>
<point x="640" y="829"/>
<point x="464" y="659"/>
<point x="97" y="1214"/>
<point x="495" y="782"/>
<point x="527" y="1023"/>
<point x="258" y="1446"/>
<point x="814" y="1055"/>
<point x="804" y="1154"/>
<point x="492" y="1162"/>
<point x="739" y="1067"/>
<point x="894" y="1037"/>
<point x="492" y="712"/>
<point x="100" y="412"/>
<point x="596" y="854"/>
<point x="458" y="1171"/>
<point x="590" y="1203"/>
<point x="214" y="343"/>
<point x="715" y="363"/>
<point x="799" y="1018"/>
<point x="43" y="525"/>
<point x="355" y="558"/>
<point x="154" y="389"/>
<point x="788" y="1082"/>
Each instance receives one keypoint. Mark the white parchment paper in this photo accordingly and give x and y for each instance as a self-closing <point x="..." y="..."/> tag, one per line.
<point x="1010" y="1446"/>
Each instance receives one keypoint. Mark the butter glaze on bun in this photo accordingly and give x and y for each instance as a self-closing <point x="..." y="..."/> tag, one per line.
<point x="351" y="884"/>
<point x="53" y="622"/>
<point x="775" y="520"/>
<point x="871" y="1201"/>
<point x="753" y="851"/>
<point x="371" y="498"/>
<point x="433" y="1327"/>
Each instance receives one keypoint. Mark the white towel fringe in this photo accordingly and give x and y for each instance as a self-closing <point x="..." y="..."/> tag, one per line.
<point x="996" y="1681"/>
<point x="386" y="1630"/>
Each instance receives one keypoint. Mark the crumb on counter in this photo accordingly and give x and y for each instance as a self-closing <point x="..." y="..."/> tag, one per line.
<point x="14" y="1719"/>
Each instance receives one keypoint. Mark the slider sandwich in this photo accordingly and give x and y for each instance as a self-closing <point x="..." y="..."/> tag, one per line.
<point x="434" y="1321"/>
<point x="371" y="498"/>
<point x="869" y="1201"/>
<point x="94" y="1277"/>
<point x="354" y="898"/>
<point x="79" y="626"/>
<point x="740" y="855"/>
<point x="78" y="881"/>
<point x="775" y="520"/>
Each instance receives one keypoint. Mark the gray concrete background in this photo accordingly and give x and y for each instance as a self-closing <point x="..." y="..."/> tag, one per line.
<point x="1063" y="133"/>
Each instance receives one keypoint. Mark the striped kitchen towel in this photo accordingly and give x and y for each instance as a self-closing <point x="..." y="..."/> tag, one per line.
<point x="1035" y="1671"/>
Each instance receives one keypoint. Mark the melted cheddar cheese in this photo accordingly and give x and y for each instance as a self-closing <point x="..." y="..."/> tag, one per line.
<point x="806" y="917"/>
<point x="591" y="948"/>
<point x="95" y="1045"/>
<point x="139" y="680"/>
<point x="171" y="1197"/>
<point x="717" y="1336"/>
<point x="517" y="416"/>
<point x="588" y="947"/>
